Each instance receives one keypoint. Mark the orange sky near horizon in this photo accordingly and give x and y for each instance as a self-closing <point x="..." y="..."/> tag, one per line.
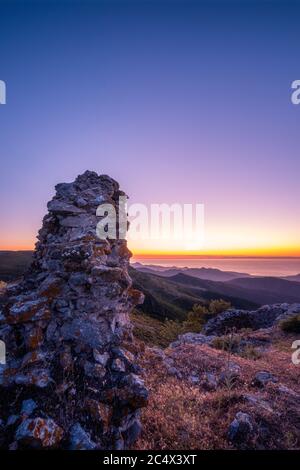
<point x="263" y="251"/>
<point x="225" y="240"/>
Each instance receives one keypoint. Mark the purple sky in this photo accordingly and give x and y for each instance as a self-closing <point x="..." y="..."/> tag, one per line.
<point x="178" y="101"/>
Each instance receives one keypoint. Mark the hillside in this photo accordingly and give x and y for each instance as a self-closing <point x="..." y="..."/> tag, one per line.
<point x="219" y="399"/>
<point x="256" y="290"/>
<point x="171" y="292"/>
<point x="211" y="274"/>
<point x="172" y="298"/>
<point x="13" y="264"/>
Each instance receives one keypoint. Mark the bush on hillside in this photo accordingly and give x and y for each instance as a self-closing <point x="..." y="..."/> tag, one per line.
<point x="200" y="314"/>
<point x="291" y="324"/>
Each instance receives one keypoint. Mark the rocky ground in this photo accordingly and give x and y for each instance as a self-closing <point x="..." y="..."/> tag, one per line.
<point x="245" y="395"/>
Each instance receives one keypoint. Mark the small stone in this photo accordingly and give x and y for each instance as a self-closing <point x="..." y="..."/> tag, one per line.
<point x="80" y="439"/>
<point x="259" y="402"/>
<point x="62" y="208"/>
<point x="288" y="391"/>
<point x="209" y="381"/>
<point x="38" y="377"/>
<point x="194" y="379"/>
<point x="262" y="378"/>
<point x="32" y="310"/>
<point x="12" y="419"/>
<point x="28" y="407"/>
<point x="39" y="432"/>
<point x="174" y="371"/>
<point x="241" y="428"/>
<point x="101" y="358"/>
<point x="118" y="365"/>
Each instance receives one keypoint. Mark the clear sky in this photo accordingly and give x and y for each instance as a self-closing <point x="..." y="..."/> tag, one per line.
<point x="178" y="101"/>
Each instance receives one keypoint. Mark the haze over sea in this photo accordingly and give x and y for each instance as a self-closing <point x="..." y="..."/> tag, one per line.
<point x="255" y="266"/>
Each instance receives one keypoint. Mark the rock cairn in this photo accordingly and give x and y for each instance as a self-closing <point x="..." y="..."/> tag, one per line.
<point x="69" y="381"/>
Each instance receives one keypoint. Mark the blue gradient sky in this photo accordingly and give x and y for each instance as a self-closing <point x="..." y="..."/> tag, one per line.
<point x="178" y="101"/>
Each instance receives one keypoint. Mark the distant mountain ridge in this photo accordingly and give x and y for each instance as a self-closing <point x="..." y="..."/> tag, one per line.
<point x="261" y="291"/>
<point x="211" y="274"/>
<point x="170" y="292"/>
<point x="173" y="297"/>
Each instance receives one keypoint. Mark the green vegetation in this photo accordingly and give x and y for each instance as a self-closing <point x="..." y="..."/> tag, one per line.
<point x="200" y="314"/>
<point x="172" y="298"/>
<point x="250" y="352"/>
<point x="229" y="343"/>
<point x="161" y="333"/>
<point x="233" y="344"/>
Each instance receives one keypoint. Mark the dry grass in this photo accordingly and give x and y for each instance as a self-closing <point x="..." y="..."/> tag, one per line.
<point x="182" y="415"/>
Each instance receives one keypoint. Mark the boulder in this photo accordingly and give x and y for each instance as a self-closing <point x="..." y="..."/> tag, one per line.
<point x="240" y="429"/>
<point x="193" y="338"/>
<point x="39" y="433"/>
<point x="80" y="439"/>
<point x="262" y="378"/>
<point x="264" y="317"/>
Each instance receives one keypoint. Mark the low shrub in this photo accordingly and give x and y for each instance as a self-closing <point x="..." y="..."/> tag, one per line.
<point x="230" y="343"/>
<point x="291" y="324"/>
<point x="250" y="352"/>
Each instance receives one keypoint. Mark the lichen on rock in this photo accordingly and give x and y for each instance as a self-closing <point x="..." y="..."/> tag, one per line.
<point x="67" y="330"/>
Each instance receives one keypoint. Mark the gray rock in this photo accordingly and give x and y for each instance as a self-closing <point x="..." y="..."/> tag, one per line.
<point x="62" y="208"/>
<point x="192" y="338"/>
<point x="12" y="420"/>
<point x="39" y="432"/>
<point x="241" y="428"/>
<point x="283" y="389"/>
<point x="28" y="407"/>
<point x="209" y="381"/>
<point x="264" y="317"/>
<point x="101" y="358"/>
<point x="258" y="402"/>
<point x="80" y="439"/>
<point x="194" y="379"/>
<point x="65" y="322"/>
<point x="263" y="377"/>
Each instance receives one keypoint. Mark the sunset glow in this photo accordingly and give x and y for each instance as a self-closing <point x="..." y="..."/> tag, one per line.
<point x="167" y="133"/>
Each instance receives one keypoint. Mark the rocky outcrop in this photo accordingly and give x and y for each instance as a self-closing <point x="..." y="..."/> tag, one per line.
<point x="67" y="332"/>
<point x="264" y="317"/>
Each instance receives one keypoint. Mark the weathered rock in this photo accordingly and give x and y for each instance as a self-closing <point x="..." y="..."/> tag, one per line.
<point x="39" y="432"/>
<point x="209" y="381"/>
<point x="192" y="338"/>
<point x="263" y="377"/>
<point x="80" y="439"/>
<point x="264" y="317"/>
<point x="12" y="419"/>
<point x="240" y="429"/>
<point x="258" y="402"/>
<point x="284" y="389"/>
<point x="64" y="325"/>
<point x="28" y="407"/>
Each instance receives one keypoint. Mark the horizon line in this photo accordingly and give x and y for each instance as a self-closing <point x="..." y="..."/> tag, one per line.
<point x="159" y="255"/>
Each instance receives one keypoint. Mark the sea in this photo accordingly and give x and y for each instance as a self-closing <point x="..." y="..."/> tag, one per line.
<point x="278" y="267"/>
